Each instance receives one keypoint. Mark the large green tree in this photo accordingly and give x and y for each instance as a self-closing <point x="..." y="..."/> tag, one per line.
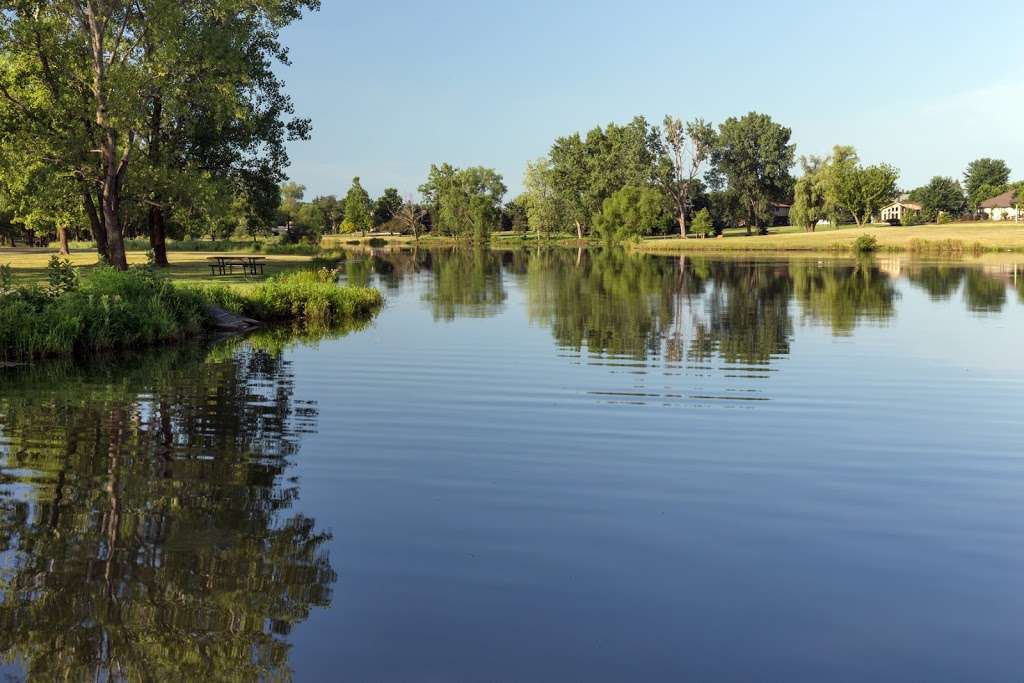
<point x="358" y="208"/>
<point x="464" y="203"/>
<point x="586" y="171"/>
<point x="942" y="195"/>
<point x="753" y="155"/>
<point x="146" y="104"/>
<point x="985" y="178"/>
<point x="857" y="189"/>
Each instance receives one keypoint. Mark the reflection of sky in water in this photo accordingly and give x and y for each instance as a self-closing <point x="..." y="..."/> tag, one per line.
<point x="531" y="470"/>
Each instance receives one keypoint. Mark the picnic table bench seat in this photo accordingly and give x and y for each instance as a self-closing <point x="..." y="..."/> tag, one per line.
<point x="225" y="265"/>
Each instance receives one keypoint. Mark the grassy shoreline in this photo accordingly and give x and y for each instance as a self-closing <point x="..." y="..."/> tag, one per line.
<point x="102" y="309"/>
<point x="953" y="238"/>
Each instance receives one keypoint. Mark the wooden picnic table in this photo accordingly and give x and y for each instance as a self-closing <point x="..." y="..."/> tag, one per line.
<point x="225" y="265"/>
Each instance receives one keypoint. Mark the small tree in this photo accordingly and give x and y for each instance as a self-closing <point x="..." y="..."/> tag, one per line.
<point x="702" y="224"/>
<point x="357" y="207"/>
<point x="546" y="211"/>
<point x="810" y="198"/>
<point x="409" y="217"/>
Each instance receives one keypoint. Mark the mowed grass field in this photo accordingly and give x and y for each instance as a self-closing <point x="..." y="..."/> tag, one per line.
<point x="28" y="265"/>
<point x="987" y="236"/>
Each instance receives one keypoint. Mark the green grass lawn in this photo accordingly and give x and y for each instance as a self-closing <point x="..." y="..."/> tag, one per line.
<point x="28" y="265"/>
<point x="983" y="236"/>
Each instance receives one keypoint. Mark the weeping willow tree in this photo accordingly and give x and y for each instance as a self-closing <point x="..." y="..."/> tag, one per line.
<point x="145" y="515"/>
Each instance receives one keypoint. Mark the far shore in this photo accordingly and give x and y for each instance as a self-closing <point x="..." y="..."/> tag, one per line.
<point x="952" y="238"/>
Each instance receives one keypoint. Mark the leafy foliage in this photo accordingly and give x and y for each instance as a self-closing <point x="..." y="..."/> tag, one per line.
<point x="985" y="178"/>
<point x="865" y="244"/>
<point x="754" y="155"/>
<point x="630" y="213"/>
<point x="464" y="203"/>
<point x="357" y="208"/>
<point x="940" y="196"/>
<point x="702" y="224"/>
<point x="859" y="190"/>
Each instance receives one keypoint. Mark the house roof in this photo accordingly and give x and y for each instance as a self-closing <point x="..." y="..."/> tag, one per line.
<point x="913" y="206"/>
<point x="1000" y="201"/>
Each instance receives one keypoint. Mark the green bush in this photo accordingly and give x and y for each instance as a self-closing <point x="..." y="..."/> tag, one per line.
<point x="702" y="224"/>
<point x="911" y="218"/>
<point x="312" y="296"/>
<point x="108" y="309"/>
<point x="61" y="275"/>
<point x="865" y="244"/>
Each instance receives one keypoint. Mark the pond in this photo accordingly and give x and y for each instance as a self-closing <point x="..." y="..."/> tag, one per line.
<point x="539" y="465"/>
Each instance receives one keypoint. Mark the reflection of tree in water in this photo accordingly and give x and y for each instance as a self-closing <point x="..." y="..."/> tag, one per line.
<point x="466" y="283"/>
<point x="609" y="301"/>
<point x="840" y="295"/>
<point x="940" y="282"/>
<point x="746" y="317"/>
<point x="144" y="520"/>
<point x="982" y="293"/>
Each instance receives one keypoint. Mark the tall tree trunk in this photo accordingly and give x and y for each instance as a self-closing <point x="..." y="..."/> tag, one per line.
<point x="157" y="231"/>
<point x="111" y="213"/>
<point x="579" y="230"/>
<point x="62" y="238"/>
<point x="682" y="224"/>
<point x="99" y="233"/>
<point x="113" y="164"/>
<point x="158" y="236"/>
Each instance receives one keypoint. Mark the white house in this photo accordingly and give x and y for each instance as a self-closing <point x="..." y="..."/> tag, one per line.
<point x="895" y="212"/>
<point x="1004" y="207"/>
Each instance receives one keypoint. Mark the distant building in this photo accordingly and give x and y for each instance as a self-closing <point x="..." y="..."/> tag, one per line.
<point x="1004" y="207"/>
<point x="780" y="213"/>
<point x="894" y="213"/>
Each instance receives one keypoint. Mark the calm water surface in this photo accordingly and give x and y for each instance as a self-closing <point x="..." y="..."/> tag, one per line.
<point x="539" y="466"/>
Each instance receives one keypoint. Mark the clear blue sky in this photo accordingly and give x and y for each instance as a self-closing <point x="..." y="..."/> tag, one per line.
<point x="395" y="86"/>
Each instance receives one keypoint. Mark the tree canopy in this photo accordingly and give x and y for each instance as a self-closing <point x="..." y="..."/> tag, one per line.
<point x="151" y="110"/>
<point x="859" y="190"/>
<point x="464" y="202"/>
<point x="985" y="178"/>
<point x="754" y="156"/>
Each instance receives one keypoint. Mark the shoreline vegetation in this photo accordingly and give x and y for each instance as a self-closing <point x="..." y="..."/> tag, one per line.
<point x="940" y="239"/>
<point x="84" y="311"/>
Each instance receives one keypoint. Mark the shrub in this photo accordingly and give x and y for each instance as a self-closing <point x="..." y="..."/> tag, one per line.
<point x="61" y="275"/>
<point x="702" y="224"/>
<point x="110" y="309"/>
<point x="106" y="309"/>
<point x="911" y="218"/>
<point x="865" y="244"/>
<point x="312" y="296"/>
